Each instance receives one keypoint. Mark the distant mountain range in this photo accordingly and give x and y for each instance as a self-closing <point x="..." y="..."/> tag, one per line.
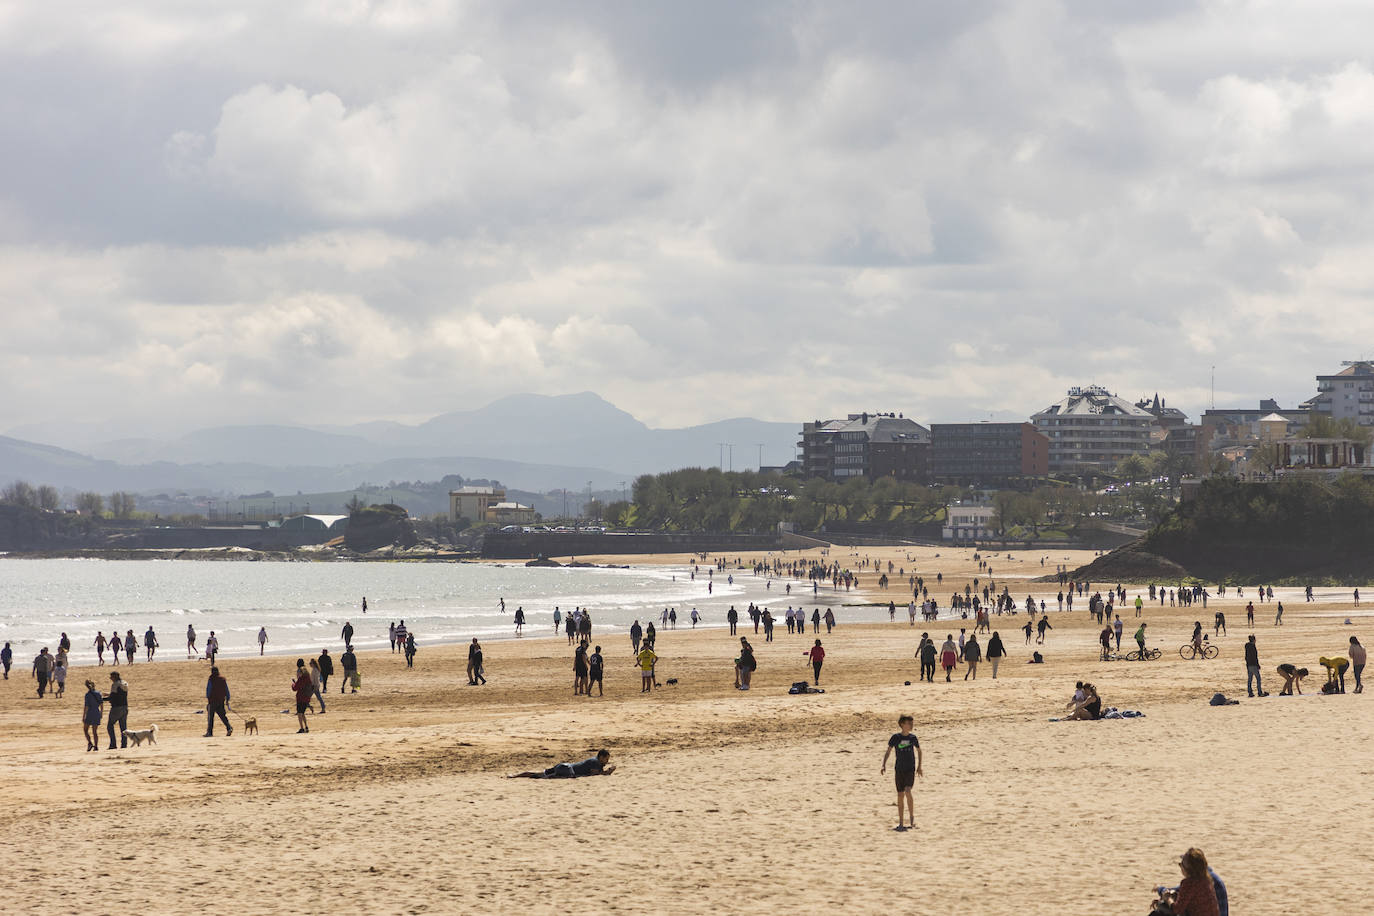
<point x="530" y="442"/>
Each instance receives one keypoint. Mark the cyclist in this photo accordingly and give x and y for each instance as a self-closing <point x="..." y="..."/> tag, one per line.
<point x="1140" y="640"/>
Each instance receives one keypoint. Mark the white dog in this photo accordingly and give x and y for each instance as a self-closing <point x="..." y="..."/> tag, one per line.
<point x="138" y="736"/>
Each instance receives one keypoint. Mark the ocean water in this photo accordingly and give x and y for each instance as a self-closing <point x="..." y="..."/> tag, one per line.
<point x="304" y="605"/>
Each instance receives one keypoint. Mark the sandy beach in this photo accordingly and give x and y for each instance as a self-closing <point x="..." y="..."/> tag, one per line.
<point x="723" y="801"/>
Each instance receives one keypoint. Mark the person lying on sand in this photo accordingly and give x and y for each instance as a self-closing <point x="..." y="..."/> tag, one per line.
<point x="592" y="766"/>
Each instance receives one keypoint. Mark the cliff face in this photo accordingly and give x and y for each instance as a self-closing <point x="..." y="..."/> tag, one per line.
<point x="379" y="526"/>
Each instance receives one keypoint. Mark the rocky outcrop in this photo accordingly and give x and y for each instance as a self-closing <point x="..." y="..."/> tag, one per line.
<point x="379" y="526"/>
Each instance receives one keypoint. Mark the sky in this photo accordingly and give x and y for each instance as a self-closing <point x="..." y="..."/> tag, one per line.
<point x="335" y="212"/>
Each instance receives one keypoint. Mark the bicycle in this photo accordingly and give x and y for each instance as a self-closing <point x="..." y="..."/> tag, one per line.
<point x="1190" y="651"/>
<point x="1136" y="655"/>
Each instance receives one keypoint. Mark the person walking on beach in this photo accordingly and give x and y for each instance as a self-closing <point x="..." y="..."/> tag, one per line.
<point x="1278" y="615"/>
<point x="1027" y="630"/>
<point x="59" y="674"/>
<point x="1252" y="669"/>
<point x="949" y="655"/>
<point x="905" y="768"/>
<point x="1116" y="630"/>
<point x="816" y="622"/>
<point x="1250" y="614"/>
<point x="191" y="650"/>
<point x="829" y="621"/>
<point x="262" y="640"/>
<point x="557" y="617"/>
<point x="149" y="642"/>
<point x="479" y="665"/>
<point x="364" y="604"/>
<point x="995" y="652"/>
<point x="304" y="689"/>
<point x="636" y="634"/>
<point x="519" y="621"/>
<point x="90" y="716"/>
<point x="747" y="663"/>
<point x="767" y="626"/>
<point x="401" y="634"/>
<point x="347" y="634"/>
<point x="474" y="649"/>
<point x="118" y="700"/>
<point x="216" y="703"/>
<point x="7" y="659"/>
<point x="116" y="645"/>
<point x="317" y="683"/>
<point x="326" y="671"/>
<point x="927" y="654"/>
<point x="99" y="647"/>
<point x="650" y="635"/>
<point x="130" y="645"/>
<point x="645" y="660"/>
<point x="349" y="662"/>
<point x="817" y="656"/>
<point x="596" y="667"/>
<point x="211" y="647"/>
<point x="580" y="670"/>
<point x="42" y="670"/>
<point x="732" y="618"/>
<point x="391" y="634"/>
<point x="410" y="650"/>
<point x="973" y="654"/>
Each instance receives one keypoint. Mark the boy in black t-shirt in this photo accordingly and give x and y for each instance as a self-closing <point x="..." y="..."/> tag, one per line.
<point x="907" y="767"/>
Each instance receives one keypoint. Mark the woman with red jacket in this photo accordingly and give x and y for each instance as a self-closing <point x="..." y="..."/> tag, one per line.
<point x="1196" y="895"/>
<point x="817" y="656"/>
<point x="305" y="690"/>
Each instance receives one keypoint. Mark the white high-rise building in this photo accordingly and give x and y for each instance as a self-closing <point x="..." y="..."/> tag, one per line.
<point x="1347" y="395"/>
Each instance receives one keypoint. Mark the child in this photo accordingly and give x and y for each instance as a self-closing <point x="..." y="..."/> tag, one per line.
<point x="907" y="767"/>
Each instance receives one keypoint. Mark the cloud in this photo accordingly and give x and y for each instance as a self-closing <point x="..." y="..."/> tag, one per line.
<point x="315" y="213"/>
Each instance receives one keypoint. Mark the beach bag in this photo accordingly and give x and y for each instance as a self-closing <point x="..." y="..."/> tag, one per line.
<point x="357" y="680"/>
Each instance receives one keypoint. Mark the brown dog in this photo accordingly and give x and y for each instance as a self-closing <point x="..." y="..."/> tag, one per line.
<point x="250" y="726"/>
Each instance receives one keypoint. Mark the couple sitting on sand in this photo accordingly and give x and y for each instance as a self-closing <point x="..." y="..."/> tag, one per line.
<point x="1085" y="704"/>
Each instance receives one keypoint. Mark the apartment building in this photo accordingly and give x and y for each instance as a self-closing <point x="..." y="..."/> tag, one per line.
<point x="1093" y="429"/>
<point x="987" y="454"/>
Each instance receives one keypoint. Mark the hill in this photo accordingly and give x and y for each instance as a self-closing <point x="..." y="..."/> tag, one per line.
<point x="1298" y="530"/>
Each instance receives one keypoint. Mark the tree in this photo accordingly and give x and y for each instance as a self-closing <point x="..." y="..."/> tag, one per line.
<point x="122" y="504"/>
<point x="1265" y="457"/>
<point x="19" y="493"/>
<point x="354" y="504"/>
<point x="1133" y="468"/>
<point x="92" y="504"/>
<point x="48" y="498"/>
<point x="1323" y="427"/>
